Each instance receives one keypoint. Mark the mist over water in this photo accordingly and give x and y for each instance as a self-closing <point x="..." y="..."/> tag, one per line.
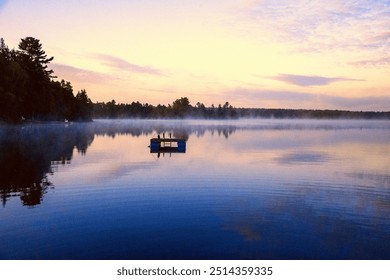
<point x="243" y="189"/>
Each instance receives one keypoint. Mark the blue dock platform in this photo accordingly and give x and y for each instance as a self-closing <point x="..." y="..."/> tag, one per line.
<point x="168" y="145"/>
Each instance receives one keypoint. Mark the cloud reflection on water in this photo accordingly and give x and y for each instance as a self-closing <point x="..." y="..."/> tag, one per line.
<point x="303" y="157"/>
<point x="267" y="188"/>
<point x="48" y="147"/>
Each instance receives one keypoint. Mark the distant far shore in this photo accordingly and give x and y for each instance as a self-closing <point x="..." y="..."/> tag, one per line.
<point x="214" y="113"/>
<point x="182" y="108"/>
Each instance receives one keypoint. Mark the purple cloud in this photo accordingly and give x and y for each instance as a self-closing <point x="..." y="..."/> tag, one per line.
<point x="302" y="100"/>
<point x="79" y="75"/>
<point x="304" y="81"/>
<point x="378" y="62"/>
<point x="124" y="65"/>
<point x="316" y="26"/>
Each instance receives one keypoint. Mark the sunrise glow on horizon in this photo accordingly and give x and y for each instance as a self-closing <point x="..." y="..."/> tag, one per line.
<point x="251" y="53"/>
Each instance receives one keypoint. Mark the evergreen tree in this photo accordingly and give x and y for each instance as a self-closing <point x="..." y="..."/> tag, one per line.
<point x="38" y="104"/>
<point x="12" y="85"/>
<point x="28" y="91"/>
<point x="32" y="48"/>
<point x="83" y="106"/>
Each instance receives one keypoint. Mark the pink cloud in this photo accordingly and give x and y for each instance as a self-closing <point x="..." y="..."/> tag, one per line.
<point x="301" y="80"/>
<point x="124" y="65"/>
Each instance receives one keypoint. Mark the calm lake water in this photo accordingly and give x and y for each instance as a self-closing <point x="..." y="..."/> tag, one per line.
<point x="245" y="189"/>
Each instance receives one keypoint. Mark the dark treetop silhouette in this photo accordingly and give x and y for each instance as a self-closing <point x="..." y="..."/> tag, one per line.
<point x="181" y="108"/>
<point x="28" y="91"/>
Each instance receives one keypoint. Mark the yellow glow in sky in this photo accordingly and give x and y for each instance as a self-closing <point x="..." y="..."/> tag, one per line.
<point x="280" y="54"/>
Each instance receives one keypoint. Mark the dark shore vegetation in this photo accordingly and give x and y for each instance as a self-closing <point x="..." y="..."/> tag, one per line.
<point x="29" y="91"/>
<point x="181" y="108"/>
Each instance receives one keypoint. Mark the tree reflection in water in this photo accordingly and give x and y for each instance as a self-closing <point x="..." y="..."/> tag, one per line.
<point x="29" y="153"/>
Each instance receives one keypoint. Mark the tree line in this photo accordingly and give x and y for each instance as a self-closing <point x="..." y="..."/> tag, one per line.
<point x="310" y="114"/>
<point x="28" y="90"/>
<point x="182" y="108"/>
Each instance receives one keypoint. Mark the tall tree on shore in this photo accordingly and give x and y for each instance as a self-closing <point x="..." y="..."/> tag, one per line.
<point x="32" y="49"/>
<point x="27" y="88"/>
<point x="181" y="107"/>
<point x="83" y="106"/>
<point x="13" y="79"/>
<point x="38" y="103"/>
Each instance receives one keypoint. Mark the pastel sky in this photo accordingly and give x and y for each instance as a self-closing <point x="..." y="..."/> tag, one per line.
<point x="253" y="53"/>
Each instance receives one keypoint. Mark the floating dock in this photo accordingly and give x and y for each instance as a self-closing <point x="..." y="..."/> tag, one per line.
<point x="168" y="145"/>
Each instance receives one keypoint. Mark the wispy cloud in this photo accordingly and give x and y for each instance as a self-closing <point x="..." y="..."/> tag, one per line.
<point x="375" y="62"/>
<point x="319" y="25"/>
<point x="79" y="75"/>
<point x="301" y="80"/>
<point x="124" y="65"/>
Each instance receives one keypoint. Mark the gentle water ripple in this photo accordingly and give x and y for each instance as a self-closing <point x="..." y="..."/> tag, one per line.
<point x="253" y="189"/>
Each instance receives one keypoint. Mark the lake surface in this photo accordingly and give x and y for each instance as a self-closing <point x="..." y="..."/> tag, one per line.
<point x="244" y="189"/>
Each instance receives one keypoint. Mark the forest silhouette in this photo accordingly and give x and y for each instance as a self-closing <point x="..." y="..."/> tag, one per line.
<point x="28" y="90"/>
